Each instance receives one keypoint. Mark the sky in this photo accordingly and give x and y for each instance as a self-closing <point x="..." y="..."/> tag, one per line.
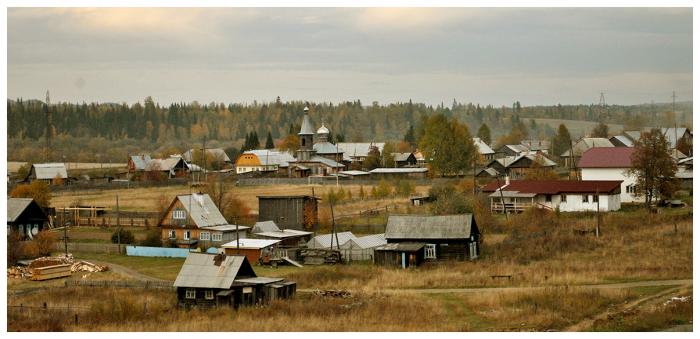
<point x="431" y="55"/>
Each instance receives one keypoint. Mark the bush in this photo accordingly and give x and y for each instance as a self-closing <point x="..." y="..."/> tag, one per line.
<point x="45" y="241"/>
<point x="449" y="201"/>
<point x="384" y="189"/>
<point x="153" y="239"/>
<point x="123" y="236"/>
<point x="404" y="188"/>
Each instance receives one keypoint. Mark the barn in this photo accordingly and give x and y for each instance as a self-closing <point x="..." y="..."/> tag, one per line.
<point x="297" y="212"/>
<point x="25" y="217"/>
<point x="256" y="250"/>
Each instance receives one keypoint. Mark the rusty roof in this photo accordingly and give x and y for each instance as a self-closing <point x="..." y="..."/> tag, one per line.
<point x="555" y="186"/>
<point x="607" y="157"/>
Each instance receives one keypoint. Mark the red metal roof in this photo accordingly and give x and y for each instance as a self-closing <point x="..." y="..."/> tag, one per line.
<point x="607" y="157"/>
<point x="556" y="186"/>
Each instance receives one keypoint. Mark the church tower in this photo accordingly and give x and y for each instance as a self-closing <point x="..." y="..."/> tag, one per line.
<point x="306" y="138"/>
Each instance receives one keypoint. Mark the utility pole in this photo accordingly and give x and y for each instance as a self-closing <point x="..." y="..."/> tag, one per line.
<point x="65" y="232"/>
<point x="503" y="203"/>
<point x="204" y="157"/>
<point x="601" y="103"/>
<point x="119" y="229"/>
<point x="597" y="214"/>
<point x="675" y="125"/>
<point x="49" y="130"/>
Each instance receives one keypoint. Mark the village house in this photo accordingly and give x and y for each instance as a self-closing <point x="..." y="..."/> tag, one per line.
<point x="138" y="163"/>
<point x="526" y="147"/>
<point x="270" y="161"/>
<point x="256" y="250"/>
<point x="172" y="167"/>
<point x="565" y="195"/>
<point x="516" y="167"/>
<point x="288" y="238"/>
<point x="486" y="153"/>
<point x="216" y="157"/>
<point x="685" y="173"/>
<point x="447" y="237"/>
<point x="218" y="280"/>
<point x="297" y="212"/>
<point x="357" y="152"/>
<point x="674" y="136"/>
<point x="611" y="163"/>
<point x="47" y="173"/>
<point x="25" y="218"/>
<point x="193" y="219"/>
<point x="399" y="173"/>
<point x="581" y="146"/>
<point x="404" y="159"/>
<point x="307" y="162"/>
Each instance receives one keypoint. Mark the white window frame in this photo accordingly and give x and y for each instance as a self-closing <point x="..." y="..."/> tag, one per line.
<point x="563" y="198"/>
<point x="430" y="251"/>
<point x="186" y="235"/>
<point x="190" y="293"/>
<point x="172" y="234"/>
<point x="209" y="294"/>
<point x="179" y="215"/>
<point x="216" y="236"/>
<point x="585" y="198"/>
<point x="204" y="236"/>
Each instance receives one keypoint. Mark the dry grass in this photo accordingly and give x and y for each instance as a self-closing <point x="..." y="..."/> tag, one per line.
<point x="662" y="314"/>
<point x="146" y="199"/>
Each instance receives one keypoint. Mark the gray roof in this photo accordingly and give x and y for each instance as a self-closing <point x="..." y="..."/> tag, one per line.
<point x="429" y="227"/>
<point x="250" y="243"/>
<point x="272" y="157"/>
<point x="508" y="161"/>
<point x="405" y="246"/>
<point x="15" y="207"/>
<point x="535" y="144"/>
<point x="358" y="149"/>
<point x="326" y="147"/>
<point x="225" y="228"/>
<point x="200" y="270"/>
<point x="399" y="170"/>
<point x="326" y="161"/>
<point x="216" y="152"/>
<point x="259" y="280"/>
<point x="482" y="147"/>
<point x="634" y="135"/>
<point x="50" y="170"/>
<point x="306" y="128"/>
<point x="511" y="194"/>
<point x="401" y="156"/>
<point x="369" y="241"/>
<point x="284" y="234"/>
<point x="673" y="135"/>
<point x="624" y="140"/>
<point x="163" y="165"/>
<point x="265" y="226"/>
<point x="140" y="161"/>
<point x="489" y="171"/>
<point x="324" y="240"/>
<point x="354" y="172"/>
<point x="204" y="212"/>
<point x="584" y="144"/>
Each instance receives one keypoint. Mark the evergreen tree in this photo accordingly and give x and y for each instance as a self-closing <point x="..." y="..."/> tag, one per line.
<point x="562" y="141"/>
<point x="269" y="143"/>
<point x="484" y="134"/>
<point x="410" y="137"/>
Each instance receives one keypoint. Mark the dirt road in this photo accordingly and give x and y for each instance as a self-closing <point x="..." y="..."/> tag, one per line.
<point x="127" y="272"/>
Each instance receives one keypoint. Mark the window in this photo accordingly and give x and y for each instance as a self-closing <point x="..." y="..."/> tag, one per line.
<point x="179" y="214"/>
<point x="190" y="293"/>
<point x="186" y="235"/>
<point x="595" y="198"/>
<point x="209" y="294"/>
<point x="585" y="198"/>
<point x="216" y="237"/>
<point x="171" y="234"/>
<point x="548" y="198"/>
<point x="204" y="236"/>
<point x="430" y="251"/>
<point x="563" y="198"/>
<point x="631" y="189"/>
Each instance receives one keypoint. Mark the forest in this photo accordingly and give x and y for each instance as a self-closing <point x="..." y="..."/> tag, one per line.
<point x="108" y="132"/>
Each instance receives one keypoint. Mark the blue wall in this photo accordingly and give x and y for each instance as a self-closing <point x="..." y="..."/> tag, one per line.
<point x="141" y="251"/>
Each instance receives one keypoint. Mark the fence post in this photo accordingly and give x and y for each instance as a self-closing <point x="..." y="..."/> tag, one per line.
<point x="45" y="305"/>
<point x="76" y="319"/>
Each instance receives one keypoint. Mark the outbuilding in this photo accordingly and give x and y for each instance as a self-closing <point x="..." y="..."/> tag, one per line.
<point x="256" y="250"/>
<point x="25" y="217"/>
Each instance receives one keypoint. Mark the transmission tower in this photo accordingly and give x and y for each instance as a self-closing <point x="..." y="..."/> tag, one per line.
<point x="49" y="130"/>
<point x="602" y="106"/>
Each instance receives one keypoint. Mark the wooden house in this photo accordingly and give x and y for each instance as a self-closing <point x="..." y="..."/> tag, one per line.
<point x="446" y="237"/>
<point x="486" y="153"/>
<point x="288" y="238"/>
<point x="517" y="166"/>
<point x="573" y="155"/>
<point x="25" y="217"/>
<point x="404" y="159"/>
<point x="48" y="173"/>
<point x="218" y="280"/>
<point x="194" y="219"/>
<point x="297" y="212"/>
<point x="138" y="163"/>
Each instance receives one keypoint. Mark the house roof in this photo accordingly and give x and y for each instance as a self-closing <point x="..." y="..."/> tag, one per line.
<point x="429" y="227"/>
<point x="482" y="147"/>
<point x="50" y="170"/>
<point x="401" y="156"/>
<point x="399" y="170"/>
<point x="369" y="241"/>
<point x="585" y="144"/>
<point x="324" y="240"/>
<point x="555" y="186"/>
<point x="265" y="226"/>
<point x="359" y="149"/>
<point x="140" y="161"/>
<point x="673" y="135"/>
<point x="15" y="207"/>
<point x="226" y="228"/>
<point x="623" y="139"/>
<point x="216" y="152"/>
<point x="634" y="135"/>
<point x="248" y="243"/>
<point x="402" y="247"/>
<point x="325" y="147"/>
<point x="510" y="161"/>
<point x="283" y="234"/>
<point x="516" y="148"/>
<point x="203" y="211"/>
<point x="491" y="172"/>
<point x="272" y="157"/>
<point x="354" y="172"/>
<point x="326" y="161"/>
<point x="163" y="165"/>
<point x="535" y="144"/>
<point x="306" y="128"/>
<point x="607" y="157"/>
<point x="201" y="271"/>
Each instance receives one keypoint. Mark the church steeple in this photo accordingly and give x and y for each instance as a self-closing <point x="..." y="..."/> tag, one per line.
<point x="306" y="138"/>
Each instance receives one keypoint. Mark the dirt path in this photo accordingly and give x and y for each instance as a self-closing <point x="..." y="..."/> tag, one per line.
<point x="531" y="288"/>
<point x="587" y="323"/>
<point x="127" y="272"/>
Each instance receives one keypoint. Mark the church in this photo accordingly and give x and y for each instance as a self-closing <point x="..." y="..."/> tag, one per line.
<point x="319" y="159"/>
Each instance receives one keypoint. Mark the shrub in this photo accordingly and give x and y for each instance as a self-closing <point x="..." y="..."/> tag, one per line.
<point x="404" y="188"/>
<point x="45" y="241"/>
<point x="449" y="201"/>
<point x="384" y="189"/>
<point x="122" y="236"/>
<point x="153" y="239"/>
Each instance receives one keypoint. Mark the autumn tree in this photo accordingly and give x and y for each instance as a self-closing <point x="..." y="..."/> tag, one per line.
<point x="562" y="141"/>
<point x="516" y="135"/>
<point x="600" y="131"/>
<point x="538" y="171"/>
<point x="484" y="134"/>
<point x="387" y="157"/>
<point x="290" y="143"/>
<point x="448" y="145"/>
<point x="45" y="241"/>
<point x="373" y="159"/>
<point x="653" y="166"/>
<point x="37" y="190"/>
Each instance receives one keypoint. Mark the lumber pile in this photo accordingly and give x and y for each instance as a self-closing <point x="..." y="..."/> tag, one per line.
<point x="84" y="266"/>
<point x="51" y="272"/>
<point x="318" y="256"/>
<point x="53" y="267"/>
<point x="17" y="272"/>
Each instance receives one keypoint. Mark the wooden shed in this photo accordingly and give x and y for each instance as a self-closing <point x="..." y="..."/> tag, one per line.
<point x="256" y="250"/>
<point x="403" y="255"/>
<point x="297" y="212"/>
<point x="25" y="217"/>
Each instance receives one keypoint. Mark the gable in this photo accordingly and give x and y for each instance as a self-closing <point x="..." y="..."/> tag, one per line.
<point x="430" y="227"/>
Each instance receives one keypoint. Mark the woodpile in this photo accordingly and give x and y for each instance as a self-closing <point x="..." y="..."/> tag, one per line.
<point x="333" y="293"/>
<point x="17" y="272"/>
<point x="53" y="267"/>
<point x="84" y="266"/>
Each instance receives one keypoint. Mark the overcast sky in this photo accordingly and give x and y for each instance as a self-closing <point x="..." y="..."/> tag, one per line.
<point x="487" y="56"/>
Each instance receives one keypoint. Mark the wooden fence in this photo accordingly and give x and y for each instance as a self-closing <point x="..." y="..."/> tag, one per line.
<point x="155" y="284"/>
<point x="89" y="247"/>
<point x="125" y="219"/>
